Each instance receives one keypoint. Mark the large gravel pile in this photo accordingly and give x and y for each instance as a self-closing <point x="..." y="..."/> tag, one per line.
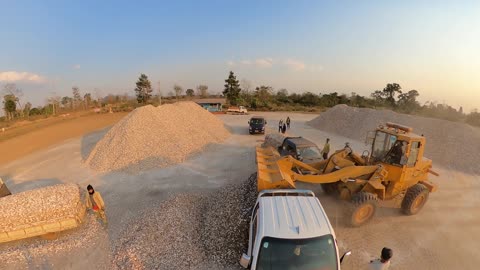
<point x="190" y="231"/>
<point x="450" y="144"/>
<point x="152" y="137"/>
<point x="35" y="207"/>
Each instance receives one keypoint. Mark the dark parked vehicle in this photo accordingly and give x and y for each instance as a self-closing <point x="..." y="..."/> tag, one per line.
<point x="257" y="125"/>
<point x="301" y="149"/>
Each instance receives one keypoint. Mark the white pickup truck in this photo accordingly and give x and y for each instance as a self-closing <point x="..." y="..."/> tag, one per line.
<point x="237" y="110"/>
<point x="290" y="230"/>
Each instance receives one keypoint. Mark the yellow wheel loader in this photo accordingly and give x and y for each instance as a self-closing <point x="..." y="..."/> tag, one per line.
<point x="394" y="173"/>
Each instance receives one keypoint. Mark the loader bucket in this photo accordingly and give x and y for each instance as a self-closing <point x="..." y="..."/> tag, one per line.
<point x="269" y="174"/>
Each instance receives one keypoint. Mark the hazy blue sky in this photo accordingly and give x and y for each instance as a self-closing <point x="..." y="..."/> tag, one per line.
<point x="318" y="46"/>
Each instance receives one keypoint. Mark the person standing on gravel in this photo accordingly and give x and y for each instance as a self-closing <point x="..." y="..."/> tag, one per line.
<point x="284" y="128"/>
<point x="326" y="149"/>
<point x="280" y="125"/>
<point x="288" y="122"/>
<point x="384" y="262"/>
<point x="95" y="202"/>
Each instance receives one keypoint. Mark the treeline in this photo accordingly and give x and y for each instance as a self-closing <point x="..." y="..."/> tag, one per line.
<point x="237" y="93"/>
<point x="391" y="97"/>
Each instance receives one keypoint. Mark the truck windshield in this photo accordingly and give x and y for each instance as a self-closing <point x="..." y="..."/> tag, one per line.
<point x="382" y="144"/>
<point x="309" y="152"/>
<point x="256" y="121"/>
<point x="298" y="254"/>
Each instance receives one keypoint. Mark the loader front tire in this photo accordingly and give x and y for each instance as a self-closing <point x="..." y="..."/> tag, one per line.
<point x="415" y="199"/>
<point x="364" y="205"/>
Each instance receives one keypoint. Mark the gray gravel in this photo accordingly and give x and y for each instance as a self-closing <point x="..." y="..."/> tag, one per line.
<point x="190" y="231"/>
<point x="38" y="253"/>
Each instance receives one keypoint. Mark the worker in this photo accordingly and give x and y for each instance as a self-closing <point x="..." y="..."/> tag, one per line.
<point x="284" y="128"/>
<point x="326" y="149"/>
<point x="95" y="202"/>
<point x="397" y="152"/>
<point x="280" y="125"/>
<point x="384" y="262"/>
<point x="288" y="122"/>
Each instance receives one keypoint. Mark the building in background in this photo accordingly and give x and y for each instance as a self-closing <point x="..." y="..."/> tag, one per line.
<point x="211" y="104"/>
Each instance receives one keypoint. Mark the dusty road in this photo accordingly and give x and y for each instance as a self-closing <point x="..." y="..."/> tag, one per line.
<point x="445" y="235"/>
<point x="23" y="140"/>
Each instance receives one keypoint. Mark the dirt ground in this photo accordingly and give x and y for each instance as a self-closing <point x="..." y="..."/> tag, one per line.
<point x="444" y="235"/>
<point x="25" y="139"/>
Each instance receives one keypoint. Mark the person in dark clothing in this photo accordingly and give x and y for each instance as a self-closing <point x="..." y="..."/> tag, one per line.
<point x="288" y="122"/>
<point x="397" y="152"/>
<point x="284" y="128"/>
<point x="280" y="125"/>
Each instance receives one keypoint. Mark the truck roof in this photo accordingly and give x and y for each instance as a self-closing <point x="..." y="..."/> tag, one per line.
<point x="299" y="141"/>
<point x="292" y="214"/>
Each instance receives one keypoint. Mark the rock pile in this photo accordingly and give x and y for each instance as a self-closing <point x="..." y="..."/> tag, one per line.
<point x="151" y="137"/>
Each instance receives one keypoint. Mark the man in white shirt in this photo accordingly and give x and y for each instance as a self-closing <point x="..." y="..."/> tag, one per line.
<point x="384" y="262"/>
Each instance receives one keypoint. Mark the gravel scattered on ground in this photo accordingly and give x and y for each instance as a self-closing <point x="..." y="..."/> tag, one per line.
<point x="35" y="207"/>
<point x="151" y="137"/>
<point x="41" y="253"/>
<point x="450" y="144"/>
<point x="190" y="231"/>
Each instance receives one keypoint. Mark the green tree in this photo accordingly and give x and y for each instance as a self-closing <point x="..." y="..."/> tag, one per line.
<point x="190" y="92"/>
<point x="10" y="108"/>
<point x="77" y="97"/>
<point x="67" y="102"/>
<point x="202" y="91"/>
<point x="88" y="100"/>
<point x="390" y="91"/>
<point x="27" y="108"/>
<point x="408" y="101"/>
<point x="264" y="95"/>
<point x="232" y="89"/>
<point x="143" y="91"/>
<point x="178" y="90"/>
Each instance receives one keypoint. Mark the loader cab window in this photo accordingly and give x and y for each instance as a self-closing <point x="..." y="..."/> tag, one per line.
<point x="412" y="158"/>
<point x="382" y="144"/>
<point x="396" y="155"/>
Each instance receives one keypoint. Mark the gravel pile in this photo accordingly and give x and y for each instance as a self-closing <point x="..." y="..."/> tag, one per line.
<point x="190" y="231"/>
<point x="151" y="137"/>
<point x="450" y="144"/>
<point x="273" y="139"/>
<point x="34" y="207"/>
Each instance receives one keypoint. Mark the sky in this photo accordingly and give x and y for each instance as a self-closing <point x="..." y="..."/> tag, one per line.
<point x="46" y="47"/>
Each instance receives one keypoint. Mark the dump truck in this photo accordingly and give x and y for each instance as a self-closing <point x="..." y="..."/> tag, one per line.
<point x="394" y="173"/>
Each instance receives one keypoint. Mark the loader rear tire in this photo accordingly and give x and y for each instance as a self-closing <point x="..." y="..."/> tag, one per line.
<point x="330" y="188"/>
<point x="415" y="199"/>
<point x="364" y="205"/>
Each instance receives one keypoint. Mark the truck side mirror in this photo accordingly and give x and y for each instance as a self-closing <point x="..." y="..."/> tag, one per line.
<point x="348" y="253"/>
<point x="245" y="260"/>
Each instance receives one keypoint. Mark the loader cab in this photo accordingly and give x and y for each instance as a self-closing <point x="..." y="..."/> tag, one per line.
<point x="399" y="150"/>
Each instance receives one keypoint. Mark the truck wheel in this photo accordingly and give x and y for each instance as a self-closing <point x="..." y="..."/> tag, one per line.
<point x="364" y="205"/>
<point x="415" y="199"/>
<point x="330" y="188"/>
